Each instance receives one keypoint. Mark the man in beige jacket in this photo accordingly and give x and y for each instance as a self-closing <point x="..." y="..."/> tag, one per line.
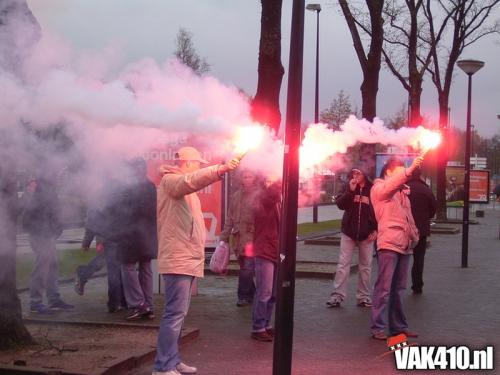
<point x="181" y="247"/>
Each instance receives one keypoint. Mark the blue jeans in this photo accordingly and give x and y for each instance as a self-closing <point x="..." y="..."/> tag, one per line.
<point x="246" y="285"/>
<point x="86" y="271"/>
<point x="177" y="299"/>
<point x="388" y="290"/>
<point x="113" y="265"/>
<point x="265" y="294"/>
<point x="137" y="282"/>
<point x="45" y="271"/>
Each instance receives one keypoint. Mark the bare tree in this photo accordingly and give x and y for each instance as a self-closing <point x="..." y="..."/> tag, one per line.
<point x="370" y="60"/>
<point x="468" y="22"/>
<point x="407" y="52"/>
<point x="398" y="119"/>
<point x="338" y="111"/>
<point x="186" y="53"/>
<point x="265" y="105"/>
<point x="15" y="19"/>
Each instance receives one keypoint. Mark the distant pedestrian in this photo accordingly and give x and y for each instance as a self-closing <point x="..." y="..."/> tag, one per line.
<point x="266" y="250"/>
<point x="359" y="229"/>
<point x="106" y="222"/>
<point x="238" y="232"/>
<point x="139" y="243"/>
<point x="181" y="250"/>
<point x="423" y="208"/>
<point x="496" y="191"/>
<point x="42" y="221"/>
<point x="397" y="236"/>
<point x="84" y="272"/>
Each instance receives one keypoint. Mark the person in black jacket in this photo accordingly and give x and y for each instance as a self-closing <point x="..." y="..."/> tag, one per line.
<point x="359" y="228"/>
<point x="423" y="208"/>
<point x="41" y="220"/>
<point x="138" y="242"/>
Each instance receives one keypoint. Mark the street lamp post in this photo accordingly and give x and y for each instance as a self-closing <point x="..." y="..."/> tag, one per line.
<point x="285" y="288"/>
<point x="469" y="67"/>
<point x="316" y="8"/>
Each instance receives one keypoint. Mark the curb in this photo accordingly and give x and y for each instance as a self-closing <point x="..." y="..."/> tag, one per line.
<point x="117" y="367"/>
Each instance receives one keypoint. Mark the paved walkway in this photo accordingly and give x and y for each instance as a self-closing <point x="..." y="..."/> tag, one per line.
<point x="458" y="307"/>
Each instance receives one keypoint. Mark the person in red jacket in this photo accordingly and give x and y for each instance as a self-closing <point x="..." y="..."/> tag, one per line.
<point x="266" y="250"/>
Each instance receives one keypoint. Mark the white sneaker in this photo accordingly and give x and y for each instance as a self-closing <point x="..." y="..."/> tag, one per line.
<point x="170" y="372"/>
<point x="185" y="369"/>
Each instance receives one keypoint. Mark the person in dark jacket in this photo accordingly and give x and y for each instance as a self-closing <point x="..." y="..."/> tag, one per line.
<point x="266" y="238"/>
<point x="139" y="243"/>
<point x="41" y="220"/>
<point x="359" y="228"/>
<point x="84" y="272"/>
<point x="423" y="208"/>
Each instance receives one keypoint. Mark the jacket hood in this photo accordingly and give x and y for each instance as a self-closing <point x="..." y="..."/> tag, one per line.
<point x="368" y="181"/>
<point x="169" y="169"/>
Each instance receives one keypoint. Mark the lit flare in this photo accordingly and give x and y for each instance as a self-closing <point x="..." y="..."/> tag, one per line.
<point x="248" y="138"/>
<point x="429" y="141"/>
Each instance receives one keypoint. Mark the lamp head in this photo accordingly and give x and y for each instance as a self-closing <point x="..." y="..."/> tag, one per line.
<point x="314" y="7"/>
<point x="470" y="66"/>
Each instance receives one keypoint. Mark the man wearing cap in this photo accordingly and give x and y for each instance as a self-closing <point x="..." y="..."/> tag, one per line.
<point x="396" y="238"/>
<point x="181" y="251"/>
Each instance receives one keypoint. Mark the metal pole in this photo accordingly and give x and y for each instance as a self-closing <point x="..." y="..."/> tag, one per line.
<point x="316" y="103"/>
<point x="282" y="355"/>
<point x="465" y="225"/>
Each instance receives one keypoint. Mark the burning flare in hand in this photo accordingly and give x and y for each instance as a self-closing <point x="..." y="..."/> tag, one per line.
<point x="248" y="138"/>
<point x="429" y="140"/>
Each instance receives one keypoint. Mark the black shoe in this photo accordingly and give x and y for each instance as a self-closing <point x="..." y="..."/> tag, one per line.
<point x="79" y="283"/>
<point x="417" y="290"/>
<point x="40" y="308"/>
<point x="115" y="309"/>
<point x="379" y="335"/>
<point x="61" y="306"/>
<point x="150" y="315"/>
<point x="242" y="302"/>
<point x="262" y="336"/>
<point x="138" y="313"/>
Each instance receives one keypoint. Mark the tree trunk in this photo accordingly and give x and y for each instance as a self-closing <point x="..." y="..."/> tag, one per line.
<point x="12" y="330"/>
<point x="371" y="72"/>
<point x="415" y="94"/>
<point x="15" y="15"/>
<point x="265" y="105"/>
<point x="369" y="89"/>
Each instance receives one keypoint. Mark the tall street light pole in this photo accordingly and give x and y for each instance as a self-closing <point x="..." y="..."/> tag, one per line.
<point x="469" y="67"/>
<point x="282" y="354"/>
<point x="316" y="8"/>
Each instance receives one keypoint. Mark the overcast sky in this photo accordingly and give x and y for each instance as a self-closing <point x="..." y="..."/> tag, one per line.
<point x="227" y="32"/>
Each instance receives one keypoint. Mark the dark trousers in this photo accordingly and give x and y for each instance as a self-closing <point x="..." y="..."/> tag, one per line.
<point x="246" y="285"/>
<point x="115" y="289"/>
<point x="418" y="264"/>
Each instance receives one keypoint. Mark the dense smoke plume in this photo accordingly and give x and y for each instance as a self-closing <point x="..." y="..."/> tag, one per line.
<point x="78" y="118"/>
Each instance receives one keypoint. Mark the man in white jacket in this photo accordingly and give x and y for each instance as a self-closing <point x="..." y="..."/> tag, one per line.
<point x="181" y="247"/>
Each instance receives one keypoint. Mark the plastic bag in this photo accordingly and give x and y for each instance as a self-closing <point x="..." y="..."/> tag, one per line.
<point x="220" y="259"/>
